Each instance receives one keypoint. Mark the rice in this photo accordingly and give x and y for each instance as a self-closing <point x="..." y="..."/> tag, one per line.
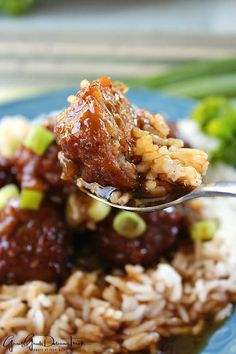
<point x="130" y="311"/>
<point x="164" y="160"/>
<point x="133" y="310"/>
<point x="12" y="132"/>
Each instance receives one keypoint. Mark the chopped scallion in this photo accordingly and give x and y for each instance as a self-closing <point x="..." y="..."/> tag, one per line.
<point x="30" y="199"/>
<point x="129" y="225"/>
<point x="38" y="139"/>
<point x="6" y="193"/>
<point x="204" y="230"/>
<point x="98" y="210"/>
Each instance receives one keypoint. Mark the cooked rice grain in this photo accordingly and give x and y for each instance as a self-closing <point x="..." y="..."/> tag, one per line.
<point x="165" y="159"/>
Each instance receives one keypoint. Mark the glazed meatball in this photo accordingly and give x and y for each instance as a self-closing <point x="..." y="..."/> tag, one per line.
<point x="162" y="233"/>
<point x="42" y="172"/>
<point x="94" y="134"/>
<point x="7" y="172"/>
<point x="38" y="172"/>
<point x="34" y="245"/>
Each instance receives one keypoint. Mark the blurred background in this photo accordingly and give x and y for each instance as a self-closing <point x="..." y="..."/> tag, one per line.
<point x="185" y="47"/>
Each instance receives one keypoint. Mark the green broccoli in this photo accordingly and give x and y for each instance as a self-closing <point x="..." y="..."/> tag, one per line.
<point x="16" y="7"/>
<point x="223" y="127"/>
<point x="211" y="108"/>
<point x="226" y="152"/>
<point x="216" y="117"/>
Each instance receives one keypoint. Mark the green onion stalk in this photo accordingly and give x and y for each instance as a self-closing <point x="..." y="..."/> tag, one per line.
<point x="31" y="199"/>
<point x="129" y="225"/>
<point x="38" y="139"/>
<point x="196" y="79"/>
<point x="204" y="230"/>
<point x="7" y="193"/>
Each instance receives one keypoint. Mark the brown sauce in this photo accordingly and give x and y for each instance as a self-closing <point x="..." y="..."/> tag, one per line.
<point x="186" y="344"/>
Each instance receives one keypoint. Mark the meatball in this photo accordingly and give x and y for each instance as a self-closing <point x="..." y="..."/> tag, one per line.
<point x="162" y="233"/>
<point x="38" y="172"/>
<point x="34" y="245"/>
<point x="95" y="134"/>
<point x="7" y="173"/>
<point x="42" y="172"/>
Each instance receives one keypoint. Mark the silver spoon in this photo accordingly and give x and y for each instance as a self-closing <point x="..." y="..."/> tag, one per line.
<point x="218" y="189"/>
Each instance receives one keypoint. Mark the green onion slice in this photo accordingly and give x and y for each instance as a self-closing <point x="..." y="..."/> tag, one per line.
<point x="98" y="211"/>
<point x="30" y="199"/>
<point x="129" y="224"/>
<point x="204" y="230"/>
<point x="6" y="193"/>
<point x="38" y="139"/>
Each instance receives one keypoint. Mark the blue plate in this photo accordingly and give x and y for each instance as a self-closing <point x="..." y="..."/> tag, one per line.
<point x="223" y="341"/>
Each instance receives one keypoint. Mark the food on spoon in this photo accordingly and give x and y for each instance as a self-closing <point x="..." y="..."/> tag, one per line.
<point x="96" y="132"/>
<point x="105" y="142"/>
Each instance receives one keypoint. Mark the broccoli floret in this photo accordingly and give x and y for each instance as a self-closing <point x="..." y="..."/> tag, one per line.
<point x="211" y="108"/>
<point x="16" y="7"/>
<point x="223" y="127"/>
<point x="225" y="152"/>
<point x="216" y="117"/>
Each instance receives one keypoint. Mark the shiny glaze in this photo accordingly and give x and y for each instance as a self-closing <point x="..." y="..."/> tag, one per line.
<point x="38" y="172"/>
<point x="34" y="245"/>
<point x="95" y="133"/>
<point x="7" y="172"/>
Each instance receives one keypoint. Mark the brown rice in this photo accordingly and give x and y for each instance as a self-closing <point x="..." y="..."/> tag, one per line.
<point x="125" y="312"/>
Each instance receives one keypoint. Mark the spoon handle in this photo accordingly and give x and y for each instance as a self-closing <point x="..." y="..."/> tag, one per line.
<point x="215" y="189"/>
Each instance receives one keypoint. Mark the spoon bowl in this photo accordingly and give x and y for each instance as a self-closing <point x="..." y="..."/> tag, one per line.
<point x="218" y="189"/>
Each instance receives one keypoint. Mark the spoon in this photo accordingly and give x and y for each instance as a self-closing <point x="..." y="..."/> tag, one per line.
<point x="218" y="189"/>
